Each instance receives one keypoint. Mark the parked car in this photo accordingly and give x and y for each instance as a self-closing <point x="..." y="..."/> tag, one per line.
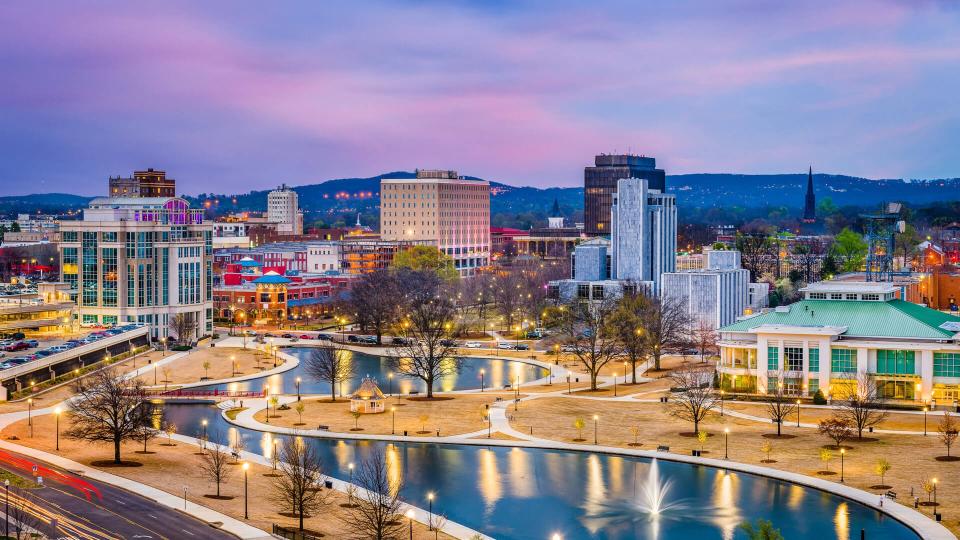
<point x="286" y="336"/>
<point x="368" y="340"/>
<point x="16" y="346"/>
<point x="353" y="338"/>
<point x="472" y="345"/>
<point x="305" y="336"/>
<point x="505" y="345"/>
<point x="569" y="348"/>
<point x="534" y="334"/>
<point x="522" y="347"/>
<point x="325" y="337"/>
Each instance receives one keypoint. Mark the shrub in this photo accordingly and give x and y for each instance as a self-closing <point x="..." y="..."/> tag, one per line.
<point x="180" y="348"/>
<point x="819" y="399"/>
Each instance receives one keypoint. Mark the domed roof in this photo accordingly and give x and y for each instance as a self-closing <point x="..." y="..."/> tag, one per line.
<point x="271" y="278"/>
<point x="368" y="390"/>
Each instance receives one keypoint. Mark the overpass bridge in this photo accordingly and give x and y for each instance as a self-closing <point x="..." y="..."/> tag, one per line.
<point x="50" y="367"/>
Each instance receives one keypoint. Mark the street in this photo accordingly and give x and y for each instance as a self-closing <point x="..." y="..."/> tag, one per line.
<point x="71" y="506"/>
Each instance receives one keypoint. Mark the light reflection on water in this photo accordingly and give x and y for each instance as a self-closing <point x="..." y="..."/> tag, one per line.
<point x="497" y="372"/>
<point x="531" y="494"/>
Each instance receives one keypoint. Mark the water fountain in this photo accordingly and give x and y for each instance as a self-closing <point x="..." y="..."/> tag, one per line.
<point x="654" y="491"/>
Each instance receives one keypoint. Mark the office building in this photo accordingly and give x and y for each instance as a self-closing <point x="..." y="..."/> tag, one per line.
<point x="643" y="232"/>
<point x="839" y="333"/>
<point x="443" y="209"/>
<point x="716" y="295"/>
<point x="140" y="259"/>
<point x="283" y="209"/>
<point x="600" y="183"/>
<point x="148" y="183"/>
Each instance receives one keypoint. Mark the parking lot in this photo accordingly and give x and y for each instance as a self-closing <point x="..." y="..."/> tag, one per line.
<point x="18" y="349"/>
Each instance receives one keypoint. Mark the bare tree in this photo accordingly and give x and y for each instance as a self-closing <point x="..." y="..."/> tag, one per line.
<point x="331" y="363"/>
<point x="477" y="293"/>
<point x="108" y="407"/>
<point x="836" y="428"/>
<point x="506" y="291"/>
<point x="947" y="430"/>
<point x="428" y="351"/>
<point x="215" y="464"/>
<point x="627" y="323"/>
<point x="24" y="520"/>
<point x="375" y="299"/>
<point x="300" y="474"/>
<point x="779" y="404"/>
<point x="154" y="426"/>
<point x="705" y="338"/>
<point x="376" y="504"/>
<point x="183" y="326"/>
<point x="666" y="324"/>
<point x="587" y="327"/>
<point x="861" y="404"/>
<point x="694" y="397"/>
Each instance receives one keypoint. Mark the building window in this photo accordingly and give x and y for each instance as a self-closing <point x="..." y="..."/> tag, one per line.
<point x="794" y="358"/>
<point x="69" y="236"/>
<point x="773" y="358"/>
<point x="583" y="291"/>
<point x="946" y="364"/>
<point x="818" y="296"/>
<point x="598" y="292"/>
<point x="843" y="360"/>
<point x="870" y="297"/>
<point x="813" y="365"/>
<point x="836" y="296"/>
<point x="895" y="362"/>
<point x="812" y="386"/>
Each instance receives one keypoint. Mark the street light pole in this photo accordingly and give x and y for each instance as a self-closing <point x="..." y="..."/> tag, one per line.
<point x="798" y="413"/>
<point x="56" y="413"/>
<point x="481" y="380"/>
<point x="298" y="388"/>
<point x="721" y="402"/>
<point x="390" y="384"/>
<point x="393" y="420"/>
<point x="430" y="512"/>
<point x="6" y="510"/>
<point x="924" y="421"/>
<point x="30" y="415"/>
<point x="843" y="452"/>
<point x="614" y="384"/>
<point x="410" y="521"/>
<point x="246" y="514"/>
<point x="726" y="443"/>
<point x="595" y="419"/>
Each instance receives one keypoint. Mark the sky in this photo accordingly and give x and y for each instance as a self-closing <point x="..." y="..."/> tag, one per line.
<point x="231" y="96"/>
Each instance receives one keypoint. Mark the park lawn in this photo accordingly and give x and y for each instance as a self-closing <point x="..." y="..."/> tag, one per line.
<point x="189" y="369"/>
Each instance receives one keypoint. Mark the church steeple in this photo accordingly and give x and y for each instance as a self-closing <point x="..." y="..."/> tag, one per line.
<point x="810" y="205"/>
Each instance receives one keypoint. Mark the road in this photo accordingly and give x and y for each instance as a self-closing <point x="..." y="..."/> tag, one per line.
<point x="71" y="506"/>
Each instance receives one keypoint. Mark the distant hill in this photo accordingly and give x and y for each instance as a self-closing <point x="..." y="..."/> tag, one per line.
<point x="705" y="190"/>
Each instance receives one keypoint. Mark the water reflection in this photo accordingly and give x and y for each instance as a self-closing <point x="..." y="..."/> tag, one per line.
<point x="497" y="373"/>
<point x="529" y="493"/>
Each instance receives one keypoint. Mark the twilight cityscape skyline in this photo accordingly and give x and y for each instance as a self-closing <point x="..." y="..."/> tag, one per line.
<point x="233" y="97"/>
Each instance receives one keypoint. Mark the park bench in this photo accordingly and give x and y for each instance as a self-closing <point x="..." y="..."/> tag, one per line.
<point x="322" y="427"/>
<point x="891" y="494"/>
<point x="663" y="448"/>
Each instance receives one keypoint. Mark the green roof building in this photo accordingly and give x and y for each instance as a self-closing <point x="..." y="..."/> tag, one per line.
<point x="840" y="337"/>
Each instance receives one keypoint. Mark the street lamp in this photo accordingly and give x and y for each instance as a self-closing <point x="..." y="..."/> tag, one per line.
<point x="203" y="424"/>
<point x="409" y="518"/>
<point x="843" y="452"/>
<point x="56" y="413"/>
<point x="30" y="415"/>
<point x="298" y="388"/>
<point x="233" y="364"/>
<point x="798" y="413"/>
<point x="721" y="402"/>
<point x="246" y="513"/>
<point x="6" y="510"/>
<point x="556" y="536"/>
<point x="924" y="421"/>
<point x="935" y="495"/>
<point x="596" y="418"/>
<point x="430" y="511"/>
<point x="393" y="420"/>
<point x="615" y="384"/>
<point x="390" y="383"/>
<point x="726" y="443"/>
<point x="481" y="379"/>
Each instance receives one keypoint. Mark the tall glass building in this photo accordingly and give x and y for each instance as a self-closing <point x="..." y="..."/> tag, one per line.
<point x="140" y="259"/>
<point x="600" y="183"/>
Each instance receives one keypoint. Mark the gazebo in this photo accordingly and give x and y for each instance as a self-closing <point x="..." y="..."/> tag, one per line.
<point x="368" y="399"/>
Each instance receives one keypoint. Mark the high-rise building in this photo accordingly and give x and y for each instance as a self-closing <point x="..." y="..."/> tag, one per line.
<point x="810" y="203"/>
<point x="441" y="208"/>
<point x="148" y="183"/>
<point x="600" y="183"/>
<point x="715" y="295"/>
<point x="283" y="209"/>
<point x="140" y="259"/>
<point x="643" y="232"/>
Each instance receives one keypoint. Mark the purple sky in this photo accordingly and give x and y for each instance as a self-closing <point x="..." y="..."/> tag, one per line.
<point x="231" y="96"/>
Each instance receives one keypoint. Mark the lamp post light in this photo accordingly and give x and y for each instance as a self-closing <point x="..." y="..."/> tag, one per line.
<point x="935" y="495"/>
<point x="726" y="443"/>
<point x="390" y="383"/>
<point x="409" y="520"/>
<point x="569" y="390"/>
<point x="30" y="415"/>
<point x="556" y="536"/>
<point x="56" y="414"/>
<point x="246" y="513"/>
<point x="596" y="419"/>
<point x="430" y="511"/>
<point x="721" y="402"/>
<point x="924" y="421"/>
<point x="233" y="365"/>
<point x="298" y="388"/>
<point x="481" y="380"/>
<point x="614" y="384"/>
<point x="798" y="413"/>
<point x="203" y="424"/>
<point x="843" y="452"/>
<point x="393" y="420"/>
<point x="273" y="456"/>
<point x="6" y="509"/>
